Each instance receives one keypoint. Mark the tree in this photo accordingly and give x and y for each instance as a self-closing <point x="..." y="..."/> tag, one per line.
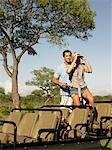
<point x="46" y="90"/>
<point x="24" y="22"/>
<point x="2" y="91"/>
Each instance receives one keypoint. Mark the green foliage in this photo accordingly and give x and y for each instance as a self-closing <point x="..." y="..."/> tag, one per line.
<point x="4" y="97"/>
<point x="5" y="106"/>
<point x="2" y="91"/>
<point x="42" y="77"/>
<point x="103" y="98"/>
<point x="46" y="90"/>
<point x="5" y="103"/>
<point x="25" y="21"/>
<point x="31" y="102"/>
<point x="34" y="100"/>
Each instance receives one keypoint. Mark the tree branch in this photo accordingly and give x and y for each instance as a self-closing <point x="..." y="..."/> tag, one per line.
<point x="29" y="45"/>
<point x="10" y="42"/>
<point x="21" y="54"/>
<point x="5" y="62"/>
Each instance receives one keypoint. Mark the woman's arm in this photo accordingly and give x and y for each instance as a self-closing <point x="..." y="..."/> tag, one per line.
<point x="73" y="64"/>
<point x="87" y="66"/>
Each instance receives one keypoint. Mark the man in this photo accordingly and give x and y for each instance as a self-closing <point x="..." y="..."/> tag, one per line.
<point x="61" y="78"/>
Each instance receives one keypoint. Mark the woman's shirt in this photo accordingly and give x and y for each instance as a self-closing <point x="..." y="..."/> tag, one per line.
<point x="77" y="79"/>
<point x="76" y="76"/>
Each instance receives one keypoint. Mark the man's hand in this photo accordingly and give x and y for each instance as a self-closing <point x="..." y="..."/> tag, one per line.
<point x="63" y="85"/>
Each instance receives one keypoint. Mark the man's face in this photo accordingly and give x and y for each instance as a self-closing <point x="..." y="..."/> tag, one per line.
<point x="67" y="57"/>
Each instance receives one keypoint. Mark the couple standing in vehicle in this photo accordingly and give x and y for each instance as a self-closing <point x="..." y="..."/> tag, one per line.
<point x="69" y="76"/>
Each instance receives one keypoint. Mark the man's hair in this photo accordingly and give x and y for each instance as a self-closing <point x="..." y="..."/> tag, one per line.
<point x="66" y="51"/>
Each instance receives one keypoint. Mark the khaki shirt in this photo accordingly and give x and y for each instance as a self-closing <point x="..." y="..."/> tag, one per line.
<point x="77" y="76"/>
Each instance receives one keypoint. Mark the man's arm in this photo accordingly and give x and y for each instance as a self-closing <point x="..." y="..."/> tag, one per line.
<point x="57" y="82"/>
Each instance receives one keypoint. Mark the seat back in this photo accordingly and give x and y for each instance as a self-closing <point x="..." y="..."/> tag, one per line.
<point x="16" y="118"/>
<point x="47" y="120"/>
<point x="78" y="116"/>
<point x="103" y="109"/>
<point x="65" y="110"/>
<point x="27" y="124"/>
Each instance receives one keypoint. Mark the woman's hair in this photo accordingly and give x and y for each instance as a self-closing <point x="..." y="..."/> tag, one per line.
<point x="66" y="51"/>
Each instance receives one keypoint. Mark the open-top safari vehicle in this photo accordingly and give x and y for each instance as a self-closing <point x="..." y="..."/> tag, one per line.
<point x="55" y="127"/>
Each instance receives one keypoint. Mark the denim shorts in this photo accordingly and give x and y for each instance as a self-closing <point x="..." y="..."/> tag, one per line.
<point x="74" y="91"/>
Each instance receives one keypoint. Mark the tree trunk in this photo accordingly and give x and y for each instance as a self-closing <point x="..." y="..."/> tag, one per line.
<point x="15" y="94"/>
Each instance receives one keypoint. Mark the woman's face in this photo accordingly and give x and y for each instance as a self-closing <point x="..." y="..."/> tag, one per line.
<point x="68" y="57"/>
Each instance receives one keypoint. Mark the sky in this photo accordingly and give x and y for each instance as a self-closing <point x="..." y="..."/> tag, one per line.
<point x="98" y="49"/>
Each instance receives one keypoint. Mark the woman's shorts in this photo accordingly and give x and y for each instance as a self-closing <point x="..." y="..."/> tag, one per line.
<point x="76" y="91"/>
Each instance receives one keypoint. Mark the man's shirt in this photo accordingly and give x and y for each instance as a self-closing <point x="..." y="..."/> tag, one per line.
<point x="62" y="76"/>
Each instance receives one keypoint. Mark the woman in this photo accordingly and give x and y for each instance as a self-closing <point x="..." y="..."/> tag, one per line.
<point x="79" y="88"/>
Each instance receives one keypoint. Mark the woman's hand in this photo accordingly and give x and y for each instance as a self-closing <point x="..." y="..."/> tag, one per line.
<point x="75" y="55"/>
